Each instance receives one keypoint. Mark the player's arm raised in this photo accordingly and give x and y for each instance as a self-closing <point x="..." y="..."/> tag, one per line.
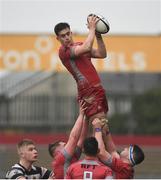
<point x="100" y="52"/>
<point x="84" y="132"/>
<point x="76" y="131"/>
<point x="109" y="144"/>
<point x="88" y="43"/>
<point x="97" y="128"/>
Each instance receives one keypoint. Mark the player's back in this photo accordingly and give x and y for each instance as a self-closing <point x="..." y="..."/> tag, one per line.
<point x="61" y="162"/>
<point x="88" y="169"/>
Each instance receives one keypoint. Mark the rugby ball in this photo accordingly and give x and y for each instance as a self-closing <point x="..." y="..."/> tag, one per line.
<point x="102" y="25"/>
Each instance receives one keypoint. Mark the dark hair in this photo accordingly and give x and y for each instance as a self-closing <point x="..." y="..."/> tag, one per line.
<point x="52" y="147"/>
<point x="60" y="26"/>
<point x="138" y="154"/>
<point x="25" y="142"/>
<point x="90" y="146"/>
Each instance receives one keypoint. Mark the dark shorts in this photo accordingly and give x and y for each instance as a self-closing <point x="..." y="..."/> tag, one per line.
<point x="95" y="99"/>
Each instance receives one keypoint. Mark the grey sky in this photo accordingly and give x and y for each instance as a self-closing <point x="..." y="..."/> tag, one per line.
<point x="40" y="16"/>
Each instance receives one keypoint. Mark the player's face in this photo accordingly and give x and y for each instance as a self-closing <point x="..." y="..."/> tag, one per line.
<point x="60" y="146"/>
<point x="65" y="37"/>
<point x="29" y="153"/>
<point x="125" y="153"/>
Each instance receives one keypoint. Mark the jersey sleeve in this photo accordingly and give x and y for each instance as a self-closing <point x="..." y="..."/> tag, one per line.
<point x="68" y="52"/>
<point x="64" y="54"/>
<point x="67" y="156"/>
<point x="15" y="173"/>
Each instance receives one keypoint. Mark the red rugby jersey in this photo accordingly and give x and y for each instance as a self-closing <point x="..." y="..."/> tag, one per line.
<point x="61" y="162"/>
<point x="80" y="67"/>
<point x="88" y="169"/>
<point x="121" y="170"/>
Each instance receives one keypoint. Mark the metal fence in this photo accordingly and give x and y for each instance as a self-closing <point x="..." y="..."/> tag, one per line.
<point x="37" y="111"/>
<point x="49" y="112"/>
<point x="58" y="108"/>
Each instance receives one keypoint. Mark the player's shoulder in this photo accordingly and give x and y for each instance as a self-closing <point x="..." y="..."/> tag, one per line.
<point x="15" y="170"/>
<point x="101" y="164"/>
<point x="17" y="166"/>
<point x="64" y="52"/>
<point x="75" y="164"/>
<point x="120" y="164"/>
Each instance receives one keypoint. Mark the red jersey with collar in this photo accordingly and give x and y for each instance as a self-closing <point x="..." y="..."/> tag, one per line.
<point x="88" y="82"/>
<point x="88" y="169"/>
<point x="121" y="169"/>
<point x="80" y="67"/>
<point x="61" y="162"/>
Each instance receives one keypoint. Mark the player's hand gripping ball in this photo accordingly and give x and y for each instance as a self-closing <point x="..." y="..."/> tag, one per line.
<point x="102" y="25"/>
